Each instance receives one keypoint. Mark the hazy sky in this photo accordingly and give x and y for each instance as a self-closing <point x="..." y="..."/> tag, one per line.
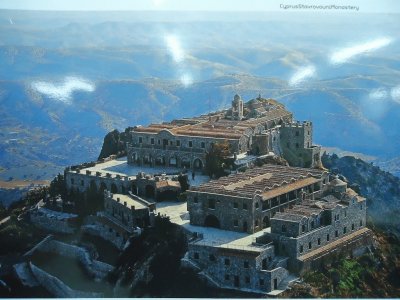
<point x="204" y="5"/>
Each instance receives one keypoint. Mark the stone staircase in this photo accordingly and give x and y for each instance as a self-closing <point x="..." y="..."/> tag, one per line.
<point x="284" y="285"/>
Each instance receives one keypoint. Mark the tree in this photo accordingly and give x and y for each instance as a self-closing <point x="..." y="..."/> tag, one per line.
<point x="216" y="159"/>
<point x="57" y="187"/>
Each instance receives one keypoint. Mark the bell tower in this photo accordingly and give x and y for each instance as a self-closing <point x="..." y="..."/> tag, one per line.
<point x="237" y="108"/>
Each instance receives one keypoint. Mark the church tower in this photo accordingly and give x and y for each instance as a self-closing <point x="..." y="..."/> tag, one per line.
<point x="237" y="108"/>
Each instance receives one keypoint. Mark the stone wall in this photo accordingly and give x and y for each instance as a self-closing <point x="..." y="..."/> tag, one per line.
<point x="354" y="247"/>
<point x="56" y="287"/>
<point x="343" y="220"/>
<point x="296" y="144"/>
<point x="239" y="214"/>
<point x="82" y="181"/>
<point x="53" y="221"/>
<point x="237" y="268"/>
<point x="231" y="213"/>
<point x="97" y="269"/>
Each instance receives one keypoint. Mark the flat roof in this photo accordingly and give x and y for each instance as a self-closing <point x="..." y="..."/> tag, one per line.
<point x="269" y="180"/>
<point x="178" y="214"/>
<point x="129" y="201"/>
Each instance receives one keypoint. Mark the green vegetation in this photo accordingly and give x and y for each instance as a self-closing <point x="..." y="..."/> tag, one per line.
<point x="375" y="274"/>
<point x="58" y="186"/>
<point x="217" y="159"/>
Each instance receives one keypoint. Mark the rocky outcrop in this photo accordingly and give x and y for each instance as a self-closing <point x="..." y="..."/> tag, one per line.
<point x="382" y="189"/>
<point x="114" y="143"/>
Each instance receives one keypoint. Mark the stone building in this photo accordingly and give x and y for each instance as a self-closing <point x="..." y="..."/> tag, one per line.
<point x="159" y="187"/>
<point x="245" y="202"/>
<point x="81" y="180"/>
<point x="293" y="219"/>
<point x="252" y="127"/>
<point x="123" y="216"/>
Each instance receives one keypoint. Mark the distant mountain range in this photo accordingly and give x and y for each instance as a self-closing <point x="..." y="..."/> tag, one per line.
<point x="69" y="78"/>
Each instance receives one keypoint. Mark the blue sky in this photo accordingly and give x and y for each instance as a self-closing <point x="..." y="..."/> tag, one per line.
<point x="204" y="5"/>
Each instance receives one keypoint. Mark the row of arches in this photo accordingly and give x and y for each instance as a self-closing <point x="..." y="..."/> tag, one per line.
<point x="103" y="186"/>
<point x="172" y="161"/>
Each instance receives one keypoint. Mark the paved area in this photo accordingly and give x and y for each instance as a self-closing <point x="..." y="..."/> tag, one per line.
<point x="120" y="166"/>
<point x="177" y="211"/>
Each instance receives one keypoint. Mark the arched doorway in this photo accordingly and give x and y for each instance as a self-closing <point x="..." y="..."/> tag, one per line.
<point x="134" y="189"/>
<point x="197" y="164"/>
<point x="149" y="191"/>
<point x="103" y="187"/>
<point x="245" y="226"/>
<point x="114" y="188"/>
<point x="211" y="221"/>
<point x="160" y="161"/>
<point x="185" y="163"/>
<point x="93" y="186"/>
<point x="266" y="222"/>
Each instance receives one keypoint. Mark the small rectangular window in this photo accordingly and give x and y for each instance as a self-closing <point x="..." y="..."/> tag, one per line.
<point x="245" y="206"/>
<point x="196" y="255"/>
<point x="211" y="257"/>
<point x="283" y="228"/>
<point x="246" y="264"/>
<point x="309" y="245"/>
<point x="235" y="205"/>
<point x="226" y="276"/>
<point x="190" y="144"/>
<point x="361" y="223"/>
<point x="152" y="141"/>
<point x="178" y="143"/>
<point x="235" y="223"/>
<point x="344" y="230"/>
<point x="352" y="226"/>
<point x="327" y="237"/>
<point x="140" y="140"/>
<point x="82" y="183"/>
<point x="196" y="200"/>
<point x="72" y="181"/>
<point x="203" y="145"/>
<point x="227" y="262"/>
<point x="159" y="142"/>
<point x="301" y="249"/>
<point x="261" y="281"/>
<point x="319" y="241"/>
<point x="336" y="233"/>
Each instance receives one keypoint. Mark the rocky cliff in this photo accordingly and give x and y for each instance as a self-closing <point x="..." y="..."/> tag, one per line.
<point x="381" y="188"/>
<point x="114" y="143"/>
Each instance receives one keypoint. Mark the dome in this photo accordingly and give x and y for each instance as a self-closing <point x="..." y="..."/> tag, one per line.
<point x="236" y="98"/>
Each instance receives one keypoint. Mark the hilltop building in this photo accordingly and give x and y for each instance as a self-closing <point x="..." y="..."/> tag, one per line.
<point x="257" y="127"/>
<point x="294" y="219"/>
